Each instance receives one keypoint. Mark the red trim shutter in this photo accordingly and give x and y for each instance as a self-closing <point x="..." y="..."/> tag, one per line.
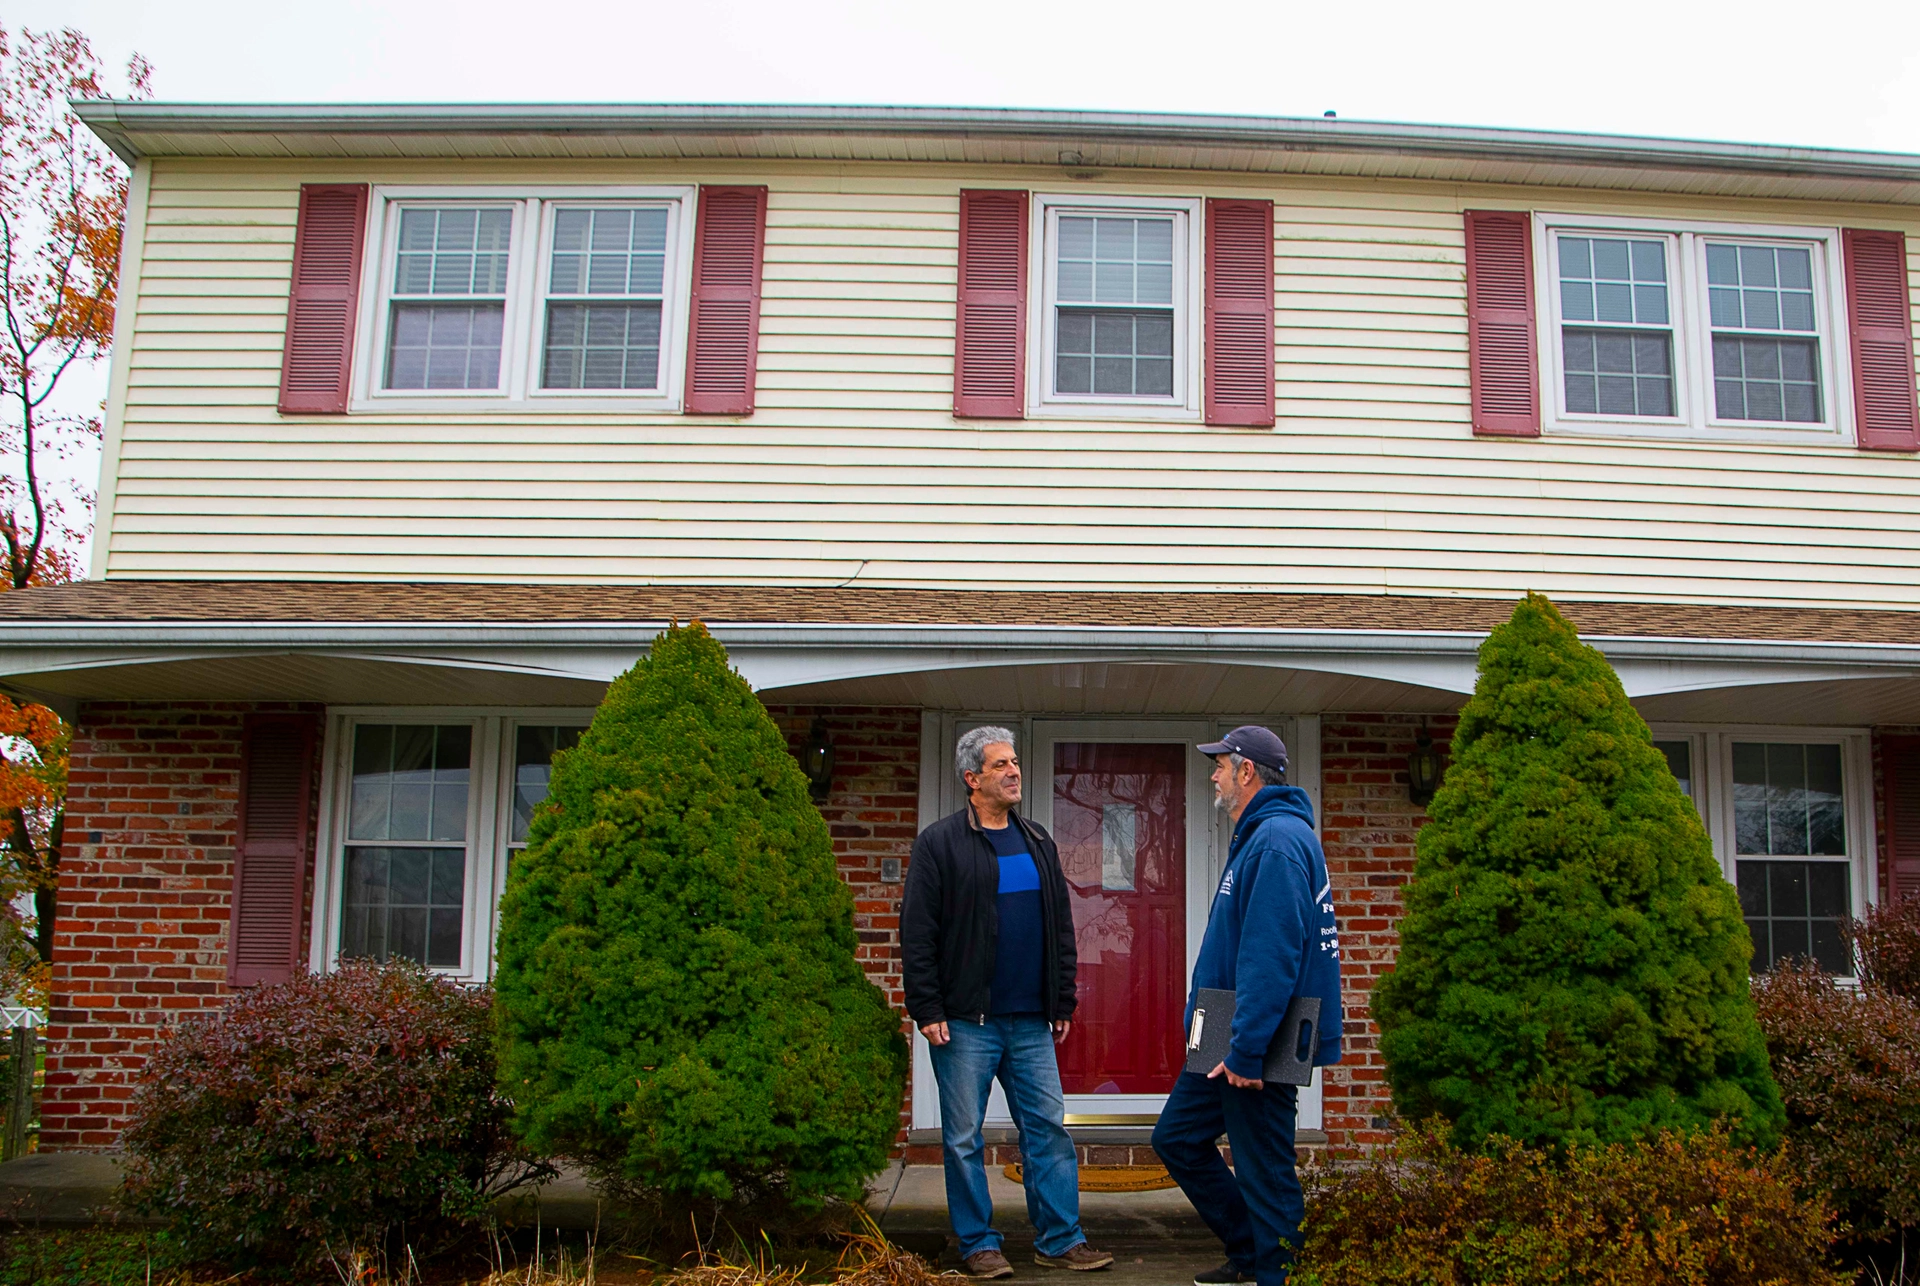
<point x="723" y="339"/>
<point x="1900" y="766"/>
<point x="1881" y="324"/>
<point x="270" y="848"/>
<point x="1240" y="313"/>
<point x="325" y="298"/>
<point x="990" y="323"/>
<point x="1500" y="340"/>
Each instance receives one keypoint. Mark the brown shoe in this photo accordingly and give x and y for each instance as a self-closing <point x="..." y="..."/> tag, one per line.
<point x="1080" y="1259"/>
<point x="991" y="1263"/>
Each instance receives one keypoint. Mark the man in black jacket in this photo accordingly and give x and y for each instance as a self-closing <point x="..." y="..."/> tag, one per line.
<point x="986" y="940"/>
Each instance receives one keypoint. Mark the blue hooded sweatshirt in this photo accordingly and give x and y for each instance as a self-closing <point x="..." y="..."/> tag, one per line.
<point x="1271" y="934"/>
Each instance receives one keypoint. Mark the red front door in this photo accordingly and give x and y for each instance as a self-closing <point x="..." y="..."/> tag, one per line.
<point x="1120" y="819"/>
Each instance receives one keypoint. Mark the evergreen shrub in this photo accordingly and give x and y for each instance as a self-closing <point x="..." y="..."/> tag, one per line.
<point x="349" y="1111"/>
<point x="1672" y="1210"/>
<point x="680" y="1006"/>
<point x="1573" y="965"/>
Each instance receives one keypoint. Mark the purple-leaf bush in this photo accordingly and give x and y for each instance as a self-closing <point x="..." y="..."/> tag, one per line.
<point x="350" y="1110"/>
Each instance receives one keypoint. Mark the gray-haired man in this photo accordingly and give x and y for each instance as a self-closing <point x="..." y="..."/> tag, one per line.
<point x="986" y="942"/>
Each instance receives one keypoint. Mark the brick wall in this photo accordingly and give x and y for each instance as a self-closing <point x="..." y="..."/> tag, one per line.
<point x="1368" y="826"/>
<point x="873" y="814"/>
<point x="145" y="880"/>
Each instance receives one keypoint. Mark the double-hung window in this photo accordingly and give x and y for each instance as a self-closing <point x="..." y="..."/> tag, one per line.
<point x="1116" y="326"/>
<point x="423" y="817"/>
<point x="1790" y="818"/>
<point x="448" y="313"/>
<point x="503" y="299"/>
<point x="1703" y="330"/>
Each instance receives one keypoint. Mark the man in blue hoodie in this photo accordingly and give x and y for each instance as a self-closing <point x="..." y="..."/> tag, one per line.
<point x="1271" y="936"/>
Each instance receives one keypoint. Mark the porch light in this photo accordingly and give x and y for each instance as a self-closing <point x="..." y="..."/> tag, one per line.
<point x="1424" y="770"/>
<point x="816" y="761"/>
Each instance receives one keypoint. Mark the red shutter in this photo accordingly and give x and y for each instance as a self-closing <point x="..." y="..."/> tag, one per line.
<point x="1500" y="340"/>
<point x="1900" y="767"/>
<point x="325" y="298"/>
<point x="1240" y="313"/>
<point x="723" y="339"/>
<point x="1881" y="325"/>
<point x="990" y="324"/>
<point x="270" y="848"/>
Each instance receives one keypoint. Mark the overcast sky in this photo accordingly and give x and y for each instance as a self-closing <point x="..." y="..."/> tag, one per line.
<point x="1843" y="74"/>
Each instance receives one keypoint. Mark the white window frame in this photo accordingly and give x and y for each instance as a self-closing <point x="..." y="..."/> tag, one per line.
<point x="1713" y="793"/>
<point x="523" y="335"/>
<point x="1189" y="322"/>
<point x="1691" y="324"/>
<point x="489" y="820"/>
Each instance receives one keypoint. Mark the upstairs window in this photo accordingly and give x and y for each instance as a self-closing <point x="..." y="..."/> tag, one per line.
<point x="1766" y="346"/>
<point x="449" y="297"/>
<point x="499" y="300"/>
<point x="606" y="280"/>
<point x="1700" y="331"/>
<point x="1618" y="331"/>
<point x="1115" y="326"/>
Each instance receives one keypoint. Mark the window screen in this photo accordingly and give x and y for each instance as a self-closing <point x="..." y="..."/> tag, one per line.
<point x="1616" y="326"/>
<point x="1766" y="349"/>
<point x="605" y="282"/>
<point x="449" y="298"/>
<point x="533" y="752"/>
<point x="1114" y="319"/>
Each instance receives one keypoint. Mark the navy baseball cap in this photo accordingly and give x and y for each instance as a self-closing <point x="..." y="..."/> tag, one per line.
<point x="1251" y="742"/>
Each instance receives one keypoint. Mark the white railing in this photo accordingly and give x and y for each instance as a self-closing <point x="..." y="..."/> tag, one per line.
<point x="12" y="1016"/>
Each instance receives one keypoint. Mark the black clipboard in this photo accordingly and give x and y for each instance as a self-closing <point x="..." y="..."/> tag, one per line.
<point x="1289" y="1059"/>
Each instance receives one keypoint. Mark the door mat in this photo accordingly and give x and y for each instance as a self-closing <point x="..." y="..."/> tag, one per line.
<point x="1113" y="1178"/>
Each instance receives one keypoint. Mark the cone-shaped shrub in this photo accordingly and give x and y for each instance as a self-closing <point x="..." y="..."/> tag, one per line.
<point x="680" y="1008"/>
<point x="1573" y="965"/>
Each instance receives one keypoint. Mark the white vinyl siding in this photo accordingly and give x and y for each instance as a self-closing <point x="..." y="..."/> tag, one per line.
<point x="853" y="466"/>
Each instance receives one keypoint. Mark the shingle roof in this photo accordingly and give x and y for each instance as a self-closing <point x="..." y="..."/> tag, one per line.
<point x="380" y="602"/>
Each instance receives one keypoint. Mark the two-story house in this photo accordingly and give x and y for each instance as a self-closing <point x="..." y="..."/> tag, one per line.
<point x="1117" y="429"/>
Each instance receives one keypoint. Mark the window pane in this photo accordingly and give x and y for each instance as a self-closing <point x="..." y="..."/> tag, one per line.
<point x="608" y="252"/>
<point x="452" y="252"/>
<point x="444" y="346"/>
<point x="1794" y="911"/>
<point x="1758" y="378"/>
<point x="410" y="782"/>
<point x="534" y="749"/>
<point x="1788" y="799"/>
<point x="1123" y="354"/>
<point x="1108" y="260"/>
<point x="602" y="346"/>
<point x="1608" y="279"/>
<point x="1761" y="287"/>
<point x="1680" y="759"/>
<point x="404" y="902"/>
<point x="1618" y="372"/>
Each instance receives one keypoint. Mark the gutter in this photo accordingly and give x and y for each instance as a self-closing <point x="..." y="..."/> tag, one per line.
<point x="228" y="637"/>
<point x="116" y="123"/>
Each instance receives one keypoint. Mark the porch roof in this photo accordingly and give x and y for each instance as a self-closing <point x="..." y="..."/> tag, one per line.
<point x="556" y="605"/>
<point x="467" y="643"/>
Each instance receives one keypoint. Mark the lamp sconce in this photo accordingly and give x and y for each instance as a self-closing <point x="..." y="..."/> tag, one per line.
<point x="1425" y="768"/>
<point x="816" y="761"/>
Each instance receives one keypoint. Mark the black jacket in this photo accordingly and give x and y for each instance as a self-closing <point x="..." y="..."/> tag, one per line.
<point x="950" y="922"/>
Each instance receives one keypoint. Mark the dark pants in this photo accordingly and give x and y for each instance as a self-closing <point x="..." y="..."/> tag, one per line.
<point x="1256" y="1207"/>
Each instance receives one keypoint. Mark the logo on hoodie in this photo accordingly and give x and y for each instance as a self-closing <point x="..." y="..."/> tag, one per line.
<point x="1226" y="885"/>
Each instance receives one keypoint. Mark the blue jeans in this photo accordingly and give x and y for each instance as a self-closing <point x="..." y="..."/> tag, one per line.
<point x="1255" y="1208"/>
<point x="1020" y="1052"/>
